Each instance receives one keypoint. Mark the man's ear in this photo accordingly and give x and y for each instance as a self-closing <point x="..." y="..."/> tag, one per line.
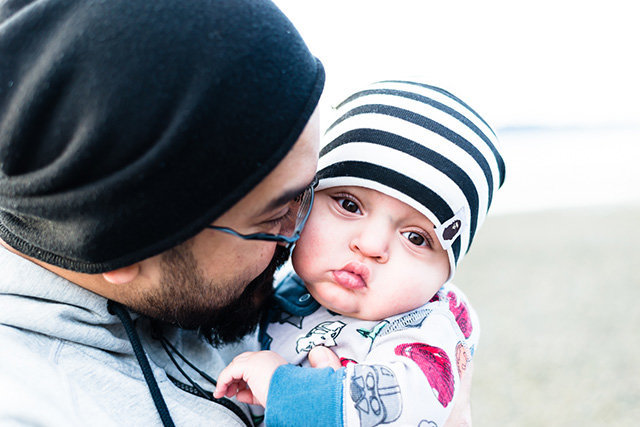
<point x="122" y="275"/>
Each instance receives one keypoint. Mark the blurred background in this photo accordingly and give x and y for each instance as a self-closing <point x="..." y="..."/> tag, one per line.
<point x="554" y="273"/>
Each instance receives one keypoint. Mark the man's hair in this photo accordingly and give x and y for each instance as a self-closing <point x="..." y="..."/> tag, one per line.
<point x="127" y="126"/>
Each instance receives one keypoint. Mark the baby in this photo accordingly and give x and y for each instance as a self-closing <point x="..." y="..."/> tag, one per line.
<point x="405" y="179"/>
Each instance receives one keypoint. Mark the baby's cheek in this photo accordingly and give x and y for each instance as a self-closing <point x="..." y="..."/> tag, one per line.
<point x="307" y="260"/>
<point x="300" y="258"/>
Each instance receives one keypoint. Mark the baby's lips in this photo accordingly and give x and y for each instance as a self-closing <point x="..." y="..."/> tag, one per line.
<point x="358" y="269"/>
<point x="348" y="279"/>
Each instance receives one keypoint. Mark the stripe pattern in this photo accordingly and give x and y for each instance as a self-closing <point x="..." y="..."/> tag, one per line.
<point x="421" y="145"/>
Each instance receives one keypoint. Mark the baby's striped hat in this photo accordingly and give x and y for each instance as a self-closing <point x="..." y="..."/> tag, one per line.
<point x="421" y="145"/>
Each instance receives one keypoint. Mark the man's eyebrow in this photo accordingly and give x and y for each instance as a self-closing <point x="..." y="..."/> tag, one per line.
<point x="284" y="198"/>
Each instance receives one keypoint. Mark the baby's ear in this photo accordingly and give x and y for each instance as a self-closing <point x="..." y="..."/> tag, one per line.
<point x="123" y="275"/>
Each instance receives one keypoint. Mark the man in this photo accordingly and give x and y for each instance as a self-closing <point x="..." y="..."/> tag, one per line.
<point x="127" y="129"/>
<point x="156" y="156"/>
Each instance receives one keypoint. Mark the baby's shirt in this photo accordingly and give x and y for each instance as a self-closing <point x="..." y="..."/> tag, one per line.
<point x="404" y="369"/>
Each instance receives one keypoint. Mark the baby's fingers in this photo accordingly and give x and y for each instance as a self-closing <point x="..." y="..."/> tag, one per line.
<point x="229" y="389"/>
<point x="222" y="389"/>
<point x="230" y="380"/>
<point x="234" y="388"/>
<point x="246" y="396"/>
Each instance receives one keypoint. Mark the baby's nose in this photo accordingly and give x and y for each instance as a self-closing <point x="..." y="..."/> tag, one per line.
<point x="373" y="245"/>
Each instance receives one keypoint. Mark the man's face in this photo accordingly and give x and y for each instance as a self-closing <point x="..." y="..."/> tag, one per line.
<point x="219" y="281"/>
<point x="188" y="299"/>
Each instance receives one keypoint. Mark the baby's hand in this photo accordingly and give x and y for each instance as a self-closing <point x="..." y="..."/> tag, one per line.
<point x="248" y="376"/>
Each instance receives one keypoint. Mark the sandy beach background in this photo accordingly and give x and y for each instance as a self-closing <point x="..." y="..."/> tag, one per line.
<point x="555" y="277"/>
<point x="557" y="292"/>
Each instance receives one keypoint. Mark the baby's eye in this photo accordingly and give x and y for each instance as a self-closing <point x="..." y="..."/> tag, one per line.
<point x="415" y="238"/>
<point x="348" y="205"/>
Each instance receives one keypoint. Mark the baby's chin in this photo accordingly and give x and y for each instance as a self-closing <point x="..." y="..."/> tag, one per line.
<point x="370" y="314"/>
<point x="339" y="300"/>
<point x="357" y="315"/>
<point x="350" y="310"/>
<point x="333" y="303"/>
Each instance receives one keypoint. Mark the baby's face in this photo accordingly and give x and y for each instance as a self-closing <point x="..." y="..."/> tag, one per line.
<point x="367" y="255"/>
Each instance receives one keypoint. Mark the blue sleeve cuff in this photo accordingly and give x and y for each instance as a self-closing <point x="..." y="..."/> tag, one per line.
<point x="305" y="396"/>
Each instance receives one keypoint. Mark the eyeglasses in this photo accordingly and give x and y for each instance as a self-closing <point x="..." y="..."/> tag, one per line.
<point x="290" y="232"/>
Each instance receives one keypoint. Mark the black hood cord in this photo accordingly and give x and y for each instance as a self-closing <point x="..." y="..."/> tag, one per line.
<point x="195" y="388"/>
<point x="158" y="400"/>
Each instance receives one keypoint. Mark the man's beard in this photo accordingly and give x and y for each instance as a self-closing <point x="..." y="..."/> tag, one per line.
<point x="187" y="300"/>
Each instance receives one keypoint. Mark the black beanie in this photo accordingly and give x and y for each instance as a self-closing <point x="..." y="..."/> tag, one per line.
<point x="127" y="126"/>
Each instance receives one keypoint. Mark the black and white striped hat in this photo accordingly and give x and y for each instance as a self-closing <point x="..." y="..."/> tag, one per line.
<point x="421" y="145"/>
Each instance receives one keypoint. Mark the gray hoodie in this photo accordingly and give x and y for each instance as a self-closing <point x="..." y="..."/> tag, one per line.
<point x="64" y="360"/>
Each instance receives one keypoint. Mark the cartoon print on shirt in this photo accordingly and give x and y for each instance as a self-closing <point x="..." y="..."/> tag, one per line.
<point x="344" y="361"/>
<point x="415" y="319"/>
<point x="436" y="296"/>
<point x="373" y="332"/>
<point x="461" y="313"/>
<point x="290" y="319"/>
<point x="324" y="334"/>
<point x="427" y="423"/>
<point x="376" y="395"/>
<point x="463" y="357"/>
<point x="435" y="365"/>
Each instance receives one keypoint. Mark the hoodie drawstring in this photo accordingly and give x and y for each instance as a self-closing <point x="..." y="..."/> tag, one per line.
<point x="156" y="395"/>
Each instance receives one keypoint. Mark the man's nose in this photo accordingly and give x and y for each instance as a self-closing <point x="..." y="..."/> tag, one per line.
<point x="372" y="242"/>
